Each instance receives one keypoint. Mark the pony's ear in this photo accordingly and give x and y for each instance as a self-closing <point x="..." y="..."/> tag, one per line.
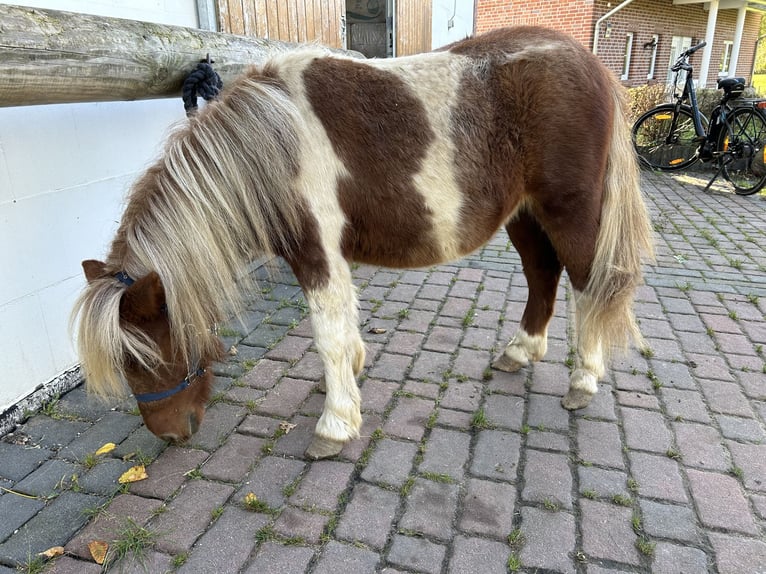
<point x="144" y="300"/>
<point x="93" y="269"/>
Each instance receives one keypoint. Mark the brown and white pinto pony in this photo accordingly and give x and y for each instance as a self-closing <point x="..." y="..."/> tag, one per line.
<point x="410" y="162"/>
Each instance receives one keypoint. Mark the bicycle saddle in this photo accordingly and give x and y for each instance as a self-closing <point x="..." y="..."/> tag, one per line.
<point x="732" y="86"/>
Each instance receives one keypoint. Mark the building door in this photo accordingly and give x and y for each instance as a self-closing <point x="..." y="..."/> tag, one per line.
<point x="677" y="45"/>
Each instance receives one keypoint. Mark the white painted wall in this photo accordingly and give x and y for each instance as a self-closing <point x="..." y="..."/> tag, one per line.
<point x="461" y="15"/>
<point x="64" y="170"/>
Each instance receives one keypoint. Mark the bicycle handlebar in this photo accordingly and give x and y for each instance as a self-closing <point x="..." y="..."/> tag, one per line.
<point x="693" y="49"/>
<point x="682" y="62"/>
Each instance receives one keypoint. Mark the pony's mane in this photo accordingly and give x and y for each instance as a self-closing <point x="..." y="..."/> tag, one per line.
<point x="221" y="194"/>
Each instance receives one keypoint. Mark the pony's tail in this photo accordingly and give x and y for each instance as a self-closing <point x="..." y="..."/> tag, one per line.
<point x="605" y="308"/>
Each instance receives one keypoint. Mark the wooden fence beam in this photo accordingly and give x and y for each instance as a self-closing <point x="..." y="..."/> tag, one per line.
<point x="54" y="57"/>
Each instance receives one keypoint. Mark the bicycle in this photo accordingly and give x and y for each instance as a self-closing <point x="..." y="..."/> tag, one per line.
<point x="673" y="136"/>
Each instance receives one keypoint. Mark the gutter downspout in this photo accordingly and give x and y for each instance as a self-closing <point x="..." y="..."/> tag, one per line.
<point x="609" y="14"/>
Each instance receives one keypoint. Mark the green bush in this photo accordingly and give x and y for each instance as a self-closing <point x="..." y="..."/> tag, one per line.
<point x="644" y="98"/>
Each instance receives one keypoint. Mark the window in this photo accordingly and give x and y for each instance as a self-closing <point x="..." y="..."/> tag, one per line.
<point x="653" y="57"/>
<point x="677" y="45"/>
<point x="626" y="60"/>
<point x="726" y="59"/>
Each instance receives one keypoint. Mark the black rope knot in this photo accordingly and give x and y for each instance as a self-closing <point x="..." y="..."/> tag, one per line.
<point x="202" y="81"/>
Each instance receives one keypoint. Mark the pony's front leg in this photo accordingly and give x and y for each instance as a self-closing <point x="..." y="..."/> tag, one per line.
<point x="334" y="316"/>
<point x="589" y="362"/>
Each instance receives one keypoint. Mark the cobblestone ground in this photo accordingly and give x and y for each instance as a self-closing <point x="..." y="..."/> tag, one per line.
<point x="460" y="469"/>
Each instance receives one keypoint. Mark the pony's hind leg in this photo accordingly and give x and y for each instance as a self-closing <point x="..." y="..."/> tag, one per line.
<point x="589" y="360"/>
<point x="334" y="315"/>
<point x="542" y="270"/>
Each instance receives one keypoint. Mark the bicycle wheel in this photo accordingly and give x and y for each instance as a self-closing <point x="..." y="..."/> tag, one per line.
<point x="744" y="163"/>
<point x="660" y="149"/>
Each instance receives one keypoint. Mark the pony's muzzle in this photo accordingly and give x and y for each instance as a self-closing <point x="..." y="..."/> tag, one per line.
<point x="192" y="428"/>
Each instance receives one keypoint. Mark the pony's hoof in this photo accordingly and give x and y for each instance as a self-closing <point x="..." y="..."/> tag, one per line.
<point x="321" y="447"/>
<point x="505" y="363"/>
<point x="576" y="399"/>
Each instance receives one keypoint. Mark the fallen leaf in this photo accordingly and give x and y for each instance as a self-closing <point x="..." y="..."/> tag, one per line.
<point x="108" y="447"/>
<point x="286" y="426"/>
<point x="133" y="474"/>
<point x="377" y="330"/>
<point x="98" y="549"/>
<point x="53" y="552"/>
<point x="250" y="498"/>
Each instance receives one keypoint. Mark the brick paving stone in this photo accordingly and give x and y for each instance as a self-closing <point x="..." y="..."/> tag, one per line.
<point x="547" y="441"/>
<point x="700" y="446"/>
<point x="46" y="478"/>
<point x="338" y="557"/>
<point x="290" y="348"/>
<point x="603" y="482"/>
<point x="430" y="365"/>
<point x="265" y="374"/>
<point x="751" y="458"/>
<point x="143" y="562"/>
<point x="645" y="430"/>
<point x="309" y="368"/>
<point x="488" y="508"/>
<point x="478" y="555"/>
<point x="465" y="396"/>
<point x="720" y="502"/>
<point x="285" y="397"/>
<point x="599" y="443"/>
<point x="295" y="443"/>
<point x="596" y="569"/>
<point x="547" y="478"/>
<point x="455" y="419"/>
<point x="422" y="389"/>
<point x="404" y="343"/>
<point x="232" y="461"/>
<point x="479" y="338"/>
<point x="276" y="558"/>
<point x="112" y="427"/>
<point x="657" y="476"/>
<point x="377" y="394"/>
<point x="419" y="554"/>
<point x="726" y="398"/>
<point x="546" y="413"/>
<point x="636" y="382"/>
<point x="607" y="532"/>
<point x="669" y="521"/>
<point x="431" y="507"/>
<point x="735" y="555"/>
<point x="601" y="405"/>
<point x="390" y="367"/>
<point x="472" y="363"/>
<point x="79" y="404"/>
<point x="549" y="540"/>
<point x="550" y="378"/>
<point x="496" y="455"/>
<point x="52" y="433"/>
<point x="188" y="514"/>
<point x="168" y="472"/>
<point x="753" y="385"/>
<point x="674" y="559"/>
<point x="408" y="418"/>
<point x="16" y="510"/>
<point x="322" y="484"/>
<point x="390" y="463"/>
<point x="504" y="411"/>
<point x="141" y="442"/>
<point x="259" y="425"/>
<point x="64" y="565"/>
<point x="108" y="523"/>
<point x="244" y="395"/>
<point x="52" y="526"/>
<point x="638" y="400"/>
<point x="446" y="453"/>
<point x="224" y="544"/>
<point x="102" y="478"/>
<point x="759" y="503"/>
<point x="300" y="525"/>
<point x="220" y="420"/>
<point x="368" y="516"/>
<point x="709" y="367"/>
<point x="685" y="405"/>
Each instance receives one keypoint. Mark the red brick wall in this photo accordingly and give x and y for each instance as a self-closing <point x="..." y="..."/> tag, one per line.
<point x="643" y="18"/>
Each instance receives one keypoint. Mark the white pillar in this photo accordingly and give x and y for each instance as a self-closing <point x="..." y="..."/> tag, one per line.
<point x="709" y="38"/>
<point x="741" y="13"/>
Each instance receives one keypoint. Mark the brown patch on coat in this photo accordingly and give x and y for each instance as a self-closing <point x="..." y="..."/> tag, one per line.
<point x="531" y="125"/>
<point x="380" y="131"/>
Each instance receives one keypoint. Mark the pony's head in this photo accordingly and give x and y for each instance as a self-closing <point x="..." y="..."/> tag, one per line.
<point x="126" y="336"/>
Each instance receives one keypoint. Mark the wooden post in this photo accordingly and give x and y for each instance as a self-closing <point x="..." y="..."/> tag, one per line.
<point x="53" y="57"/>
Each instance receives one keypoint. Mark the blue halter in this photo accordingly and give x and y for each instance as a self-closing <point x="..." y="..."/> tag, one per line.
<point x="123" y="277"/>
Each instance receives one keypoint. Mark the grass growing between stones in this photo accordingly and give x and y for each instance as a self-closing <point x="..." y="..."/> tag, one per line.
<point x="133" y="540"/>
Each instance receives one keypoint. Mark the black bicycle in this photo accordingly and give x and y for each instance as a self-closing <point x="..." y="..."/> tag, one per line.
<point x="673" y="136"/>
